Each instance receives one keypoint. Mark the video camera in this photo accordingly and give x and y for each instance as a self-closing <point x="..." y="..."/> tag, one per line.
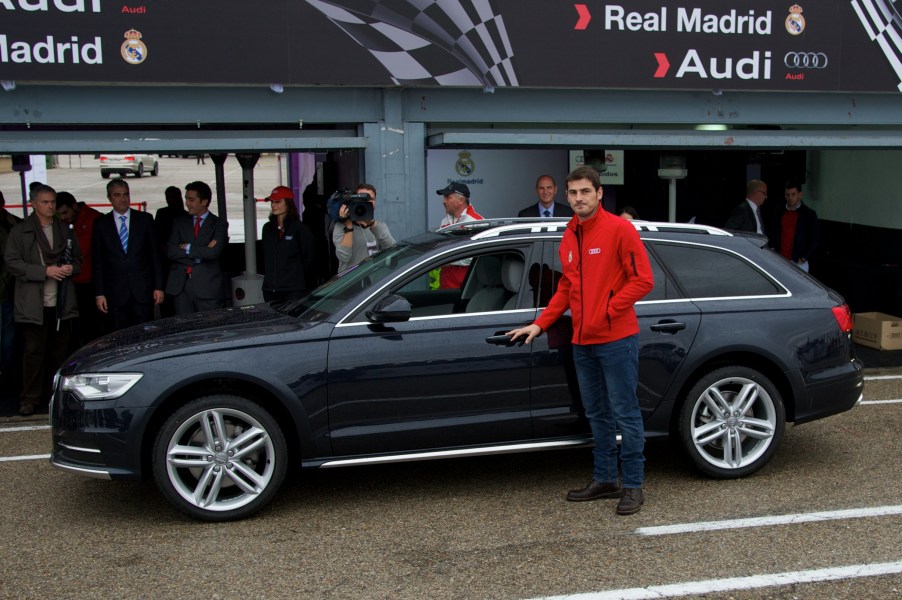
<point x="360" y="206"/>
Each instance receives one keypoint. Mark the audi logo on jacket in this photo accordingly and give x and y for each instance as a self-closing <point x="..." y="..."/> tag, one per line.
<point x="605" y="272"/>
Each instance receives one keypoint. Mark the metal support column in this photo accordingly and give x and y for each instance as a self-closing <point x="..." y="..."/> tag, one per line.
<point x="248" y="287"/>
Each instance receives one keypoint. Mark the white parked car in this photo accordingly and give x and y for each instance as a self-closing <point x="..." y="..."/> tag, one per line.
<point x="123" y="164"/>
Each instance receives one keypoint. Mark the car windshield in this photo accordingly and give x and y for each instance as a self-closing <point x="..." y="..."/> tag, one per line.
<point x="327" y="299"/>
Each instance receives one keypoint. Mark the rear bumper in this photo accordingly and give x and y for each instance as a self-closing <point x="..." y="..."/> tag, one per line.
<point x="830" y="391"/>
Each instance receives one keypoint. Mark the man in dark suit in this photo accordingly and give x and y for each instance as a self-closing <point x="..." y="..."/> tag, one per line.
<point x="197" y="240"/>
<point x="546" y="207"/>
<point x="163" y="221"/>
<point x="747" y="215"/>
<point x="128" y="278"/>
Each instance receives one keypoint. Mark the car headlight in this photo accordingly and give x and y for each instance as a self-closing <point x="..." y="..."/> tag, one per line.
<point x="100" y="386"/>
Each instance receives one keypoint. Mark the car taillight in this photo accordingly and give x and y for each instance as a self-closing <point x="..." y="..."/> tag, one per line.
<point x="131" y="158"/>
<point x="103" y="159"/>
<point x="843" y="317"/>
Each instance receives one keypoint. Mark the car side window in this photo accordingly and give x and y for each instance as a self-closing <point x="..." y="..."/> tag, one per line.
<point x="664" y="289"/>
<point x="480" y="283"/>
<point x="551" y="274"/>
<point x="706" y="272"/>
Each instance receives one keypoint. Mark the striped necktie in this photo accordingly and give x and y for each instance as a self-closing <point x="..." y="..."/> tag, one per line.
<point x="123" y="233"/>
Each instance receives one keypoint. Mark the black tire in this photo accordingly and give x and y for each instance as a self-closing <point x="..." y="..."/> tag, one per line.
<point x="156" y="169"/>
<point x="200" y="476"/>
<point x="105" y="174"/>
<point x="732" y="422"/>
<point x="140" y="172"/>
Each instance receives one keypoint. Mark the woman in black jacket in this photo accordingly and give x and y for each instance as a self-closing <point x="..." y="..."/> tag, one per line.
<point x="287" y="249"/>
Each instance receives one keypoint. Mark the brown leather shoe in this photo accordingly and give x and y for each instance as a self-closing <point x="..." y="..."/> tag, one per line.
<point x="631" y="502"/>
<point x="594" y="491"/>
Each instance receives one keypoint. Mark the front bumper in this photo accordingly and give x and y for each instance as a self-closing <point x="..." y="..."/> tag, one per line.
<point x="96" y="439"/>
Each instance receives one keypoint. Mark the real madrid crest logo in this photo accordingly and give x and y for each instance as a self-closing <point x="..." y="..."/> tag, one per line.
<point x="133" y="50"/>
<point x="795" y="22"/>
<point x="464" y="165"/>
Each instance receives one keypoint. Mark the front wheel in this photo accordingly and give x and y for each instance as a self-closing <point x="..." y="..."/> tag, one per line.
<point x="732" y="422"/>
<point x="220" y="458"/>
<point x="156" y="170"/>
<point x="140" y="173"/>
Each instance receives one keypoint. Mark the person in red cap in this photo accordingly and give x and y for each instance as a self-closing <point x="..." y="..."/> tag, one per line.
<point x="287" y="249"/>
<point x="357" y="240"/>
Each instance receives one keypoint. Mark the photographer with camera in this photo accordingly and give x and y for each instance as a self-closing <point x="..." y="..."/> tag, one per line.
<point x="357" y="234"/>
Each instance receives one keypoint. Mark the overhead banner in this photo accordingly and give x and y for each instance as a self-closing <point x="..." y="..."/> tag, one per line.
<point x="830" y="45"/>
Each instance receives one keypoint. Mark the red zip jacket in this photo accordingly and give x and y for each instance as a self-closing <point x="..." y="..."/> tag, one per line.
<point x="606" y="271"/>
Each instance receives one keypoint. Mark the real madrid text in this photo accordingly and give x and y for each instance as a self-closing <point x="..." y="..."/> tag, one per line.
<point x="52" y="49"/>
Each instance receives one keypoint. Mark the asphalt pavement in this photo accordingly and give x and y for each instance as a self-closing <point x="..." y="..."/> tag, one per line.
<point x="823" y="520"/>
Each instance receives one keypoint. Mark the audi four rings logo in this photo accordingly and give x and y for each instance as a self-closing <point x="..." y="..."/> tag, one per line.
<point x="805" y="60"/>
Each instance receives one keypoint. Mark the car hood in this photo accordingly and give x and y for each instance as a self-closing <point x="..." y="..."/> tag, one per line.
<point x="194" y="334"/>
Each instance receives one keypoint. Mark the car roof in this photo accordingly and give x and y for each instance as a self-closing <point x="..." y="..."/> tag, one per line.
<point x="489" y="228"/>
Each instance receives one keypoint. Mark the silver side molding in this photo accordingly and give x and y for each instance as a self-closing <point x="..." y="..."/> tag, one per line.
<point x="482" y="451"/>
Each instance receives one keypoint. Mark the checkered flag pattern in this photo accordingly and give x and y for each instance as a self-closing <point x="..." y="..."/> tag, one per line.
<point x="429" y="42"/>
<point x="883" y="23"/>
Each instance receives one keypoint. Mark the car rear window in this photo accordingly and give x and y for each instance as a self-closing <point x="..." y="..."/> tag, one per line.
<point x="707" y="272"/>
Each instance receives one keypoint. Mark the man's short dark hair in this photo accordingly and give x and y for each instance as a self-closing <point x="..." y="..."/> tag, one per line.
<point x="794" y="183"/>
<point x="585" y="172"/>
<point x="174" y="197"/>
<point x="203" y="190"/>
<point x="66" y="199"/>
<point x="366" y="186"/>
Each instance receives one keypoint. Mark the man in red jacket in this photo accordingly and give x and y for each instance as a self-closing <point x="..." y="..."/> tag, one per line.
<point x="605" y="272"/>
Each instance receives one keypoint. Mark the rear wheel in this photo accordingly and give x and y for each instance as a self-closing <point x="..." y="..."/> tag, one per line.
<point x="732" y="422"/>
<point x="140" y="172"/>
<point x="156" y="169"/>
<point x="220" y="458"/>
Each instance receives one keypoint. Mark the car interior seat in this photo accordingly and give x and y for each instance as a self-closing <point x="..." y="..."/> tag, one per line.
<point x="512" y="268"/>
<point x="491" y="293"/>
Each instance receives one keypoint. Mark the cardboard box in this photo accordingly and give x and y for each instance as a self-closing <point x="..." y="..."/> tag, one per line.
<point x="877" y="330"/>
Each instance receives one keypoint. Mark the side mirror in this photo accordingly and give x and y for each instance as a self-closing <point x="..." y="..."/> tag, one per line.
<point x="390" y="309"/>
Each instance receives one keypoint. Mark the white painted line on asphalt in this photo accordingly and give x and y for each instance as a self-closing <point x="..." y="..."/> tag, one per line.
<point x="876" y="377"/>
<point x="739" y="583"/>
<point x="25" y="457"/>
<point x="881" y="402"/>
<point x="23" y="428"/>
<point x="830" y="515"/>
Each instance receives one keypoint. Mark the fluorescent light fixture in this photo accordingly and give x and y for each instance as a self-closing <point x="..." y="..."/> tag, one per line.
<point x="711" y="127"/>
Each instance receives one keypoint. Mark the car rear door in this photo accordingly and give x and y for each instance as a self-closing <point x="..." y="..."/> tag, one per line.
<point x="668" y="324"/>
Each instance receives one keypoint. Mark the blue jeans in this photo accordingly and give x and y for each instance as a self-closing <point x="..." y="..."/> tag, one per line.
<point x="608" y="375"/>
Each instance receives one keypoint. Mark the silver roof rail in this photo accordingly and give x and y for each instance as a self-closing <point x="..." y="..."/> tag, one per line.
<point x="498" y="227"/>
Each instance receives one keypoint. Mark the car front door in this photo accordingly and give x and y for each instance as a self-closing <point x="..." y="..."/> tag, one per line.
<point x="436" y="381"/>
